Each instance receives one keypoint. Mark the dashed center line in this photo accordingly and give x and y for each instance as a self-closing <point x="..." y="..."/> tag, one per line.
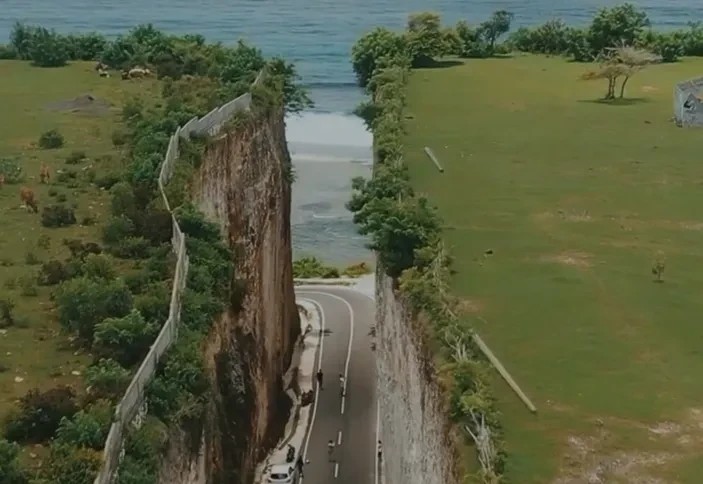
<point x="339" y="438"/>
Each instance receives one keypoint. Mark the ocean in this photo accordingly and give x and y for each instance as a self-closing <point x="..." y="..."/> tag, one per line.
<point x="329" y="146"/>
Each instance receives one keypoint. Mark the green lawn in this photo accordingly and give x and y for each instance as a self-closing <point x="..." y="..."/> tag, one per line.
<point x="577" y="199"/>
<point x="33" y="350"/>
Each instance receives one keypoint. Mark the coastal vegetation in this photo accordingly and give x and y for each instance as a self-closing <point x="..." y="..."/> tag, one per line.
<point x="105" y="290"/>
<point x="561" y="208"/>
<point x="313" y="268"/>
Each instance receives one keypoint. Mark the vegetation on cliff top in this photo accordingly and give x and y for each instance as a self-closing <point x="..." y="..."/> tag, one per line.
<point x="505" y="193"/>
<point x="114" y="313"/>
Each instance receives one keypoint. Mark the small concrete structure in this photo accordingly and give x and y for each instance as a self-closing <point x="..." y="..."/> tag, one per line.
<point x="688" y="105"/>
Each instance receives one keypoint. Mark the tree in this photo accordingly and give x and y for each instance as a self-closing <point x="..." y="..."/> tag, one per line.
<point x="107" y="379"/>
<point x="471" y="41"/>
<point x="425" y="38"/>
<point x="494" y="27"/>
<point x="48" y="49"/>
<point x="634" y="60"/>
<point x="619" y="25"/>
<point x="371" y="48"/>
<point x="620" y="62"/>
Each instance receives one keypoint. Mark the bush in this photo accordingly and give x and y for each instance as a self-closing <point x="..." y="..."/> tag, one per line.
<point x="72" y="465"/>
<point x="51" y="139"/>
<point x="311" y="267"/>
<point x="97" y="266"/>
<point x="82" y="303"/>
<point x="126" y="339"/>
<point x="80" y="250"/>
<point x="7" y="52"/>
<point x="87" y="428"/>
<point x="107" y="181"/>
<point x="132" y="248"/>
<point x="54" y="216"/>
<point x="75" y="157"/>
<point x="119" y="137"/>
<point x="7" y="317"/>
<point x="53" y="272"/>
<point x="28" y="286"/>
<point x="47" y="48"/>
<point x="40" y="414"/>
<point x="117" y="229"/>
<point x="10" y="470"/>
<point x="107" y="379"/>
<point x="154" y="304"/>
<point x="11" y="170"/>
<point x="31" y="259"/>
<point x="44" y="242"/>
<point x="123" y="202"/>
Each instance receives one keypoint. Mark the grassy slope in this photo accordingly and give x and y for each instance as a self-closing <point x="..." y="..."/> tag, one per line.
<point x="37" y="352"/>
<point x="576" y="198"/>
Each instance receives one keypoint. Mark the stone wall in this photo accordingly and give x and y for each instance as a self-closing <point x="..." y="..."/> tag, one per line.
<point x="415" y="430"/>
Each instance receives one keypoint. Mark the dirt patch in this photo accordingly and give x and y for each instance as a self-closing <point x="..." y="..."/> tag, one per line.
<point x="470" y="306"/>
<point x="598" y="458"/>
<point x="649" y="89"/>
<point x="576" y="259"/>
<point x="85" y="103"/>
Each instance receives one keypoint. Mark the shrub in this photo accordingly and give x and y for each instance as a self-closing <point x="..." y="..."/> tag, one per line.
<point x="311" y="267"/>
<point x="28" y="286"/>
<point x="10" y="470"/>
<point x="123" y="202"/>
<point x="126" y="339"/>
<point x="44" y="242"/>
<point x="75" y="157"/>
<point x="40" y="413"/>
<point x="7" y="52"/>
<point x="155" y="302"/>
<point x="119" y="137"/>
<point x="98" y="266"/>
<point x="132" y="248"/>
<point x="106" y="181"/>
<point x="72" y="465"/>
<point x="51" y="139"/>
<point x="143" y="448"/>
<point x="54" y="216"/>
<point x="47" y="48"/>
<point x="117" y="229"/>
<point x="11" y="170"/>
<point x="80" y="250"/>
<point x="7" y="317"/>
<point x="31" y="259"/>
<point x="53" y="272"/>
<point x="83" y="303"/>
<point x="89" y="220"/>
<point x="107" y="379"/>
<point x="61" y="197"/>
<point x="87" y="428"/>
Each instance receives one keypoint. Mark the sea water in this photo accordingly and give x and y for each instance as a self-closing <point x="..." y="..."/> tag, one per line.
<point x="329" y="146"/>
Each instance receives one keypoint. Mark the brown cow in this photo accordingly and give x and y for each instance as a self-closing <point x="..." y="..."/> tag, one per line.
<point x="44" y="174"/>
<point x="27" y="197"/>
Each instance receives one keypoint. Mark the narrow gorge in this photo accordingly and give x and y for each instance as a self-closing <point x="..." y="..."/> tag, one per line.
<point x="244" y="185"/>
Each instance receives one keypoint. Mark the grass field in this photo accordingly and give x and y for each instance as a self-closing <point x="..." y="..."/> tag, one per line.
<point x="33" y="353"/>
<point x="577" y="199"/>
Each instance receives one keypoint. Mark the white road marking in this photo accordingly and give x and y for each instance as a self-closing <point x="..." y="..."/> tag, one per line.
<point x="351" y="336"/>
<point x="336" y="469"/>
<point x="319" y="362"/>
<point x="339" y="438"/>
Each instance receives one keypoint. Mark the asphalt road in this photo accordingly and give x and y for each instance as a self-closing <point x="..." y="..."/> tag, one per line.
<point x="350" y="421"/>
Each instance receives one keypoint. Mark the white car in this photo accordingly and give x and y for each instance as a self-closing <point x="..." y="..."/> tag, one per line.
<point x="283" y="474"/>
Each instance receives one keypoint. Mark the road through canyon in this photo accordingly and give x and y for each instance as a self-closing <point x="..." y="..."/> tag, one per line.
<point x="351" y="420"/>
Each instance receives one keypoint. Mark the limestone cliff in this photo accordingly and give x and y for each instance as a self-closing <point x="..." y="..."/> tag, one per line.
<point x="415" y="430"/>
<point x="244" y="185"/>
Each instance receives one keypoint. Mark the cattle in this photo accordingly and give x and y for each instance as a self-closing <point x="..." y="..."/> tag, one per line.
<point x="2" y="180"/>
<point x="27" y="198"/>
<point x="103" y="73"/>
<point x="100" y="67"/>
<point x="138" y="72"/>
<point x="44" y="174"/>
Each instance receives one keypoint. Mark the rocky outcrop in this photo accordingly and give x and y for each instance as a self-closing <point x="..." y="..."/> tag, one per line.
<point x="415" y="429"/>
<point x="244" y="185"/>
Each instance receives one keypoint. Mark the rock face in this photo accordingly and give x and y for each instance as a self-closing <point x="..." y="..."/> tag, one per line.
<point x="244" y="185"/>
<point x="415" y="430"/>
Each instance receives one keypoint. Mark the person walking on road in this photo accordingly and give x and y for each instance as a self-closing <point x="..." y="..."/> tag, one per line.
<point x="299" y="464"/>
<point x="330" y="451"/>
<point x="379" y="451"/>
<point x="342" y="389"/>
<point x="319" y="378"/>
